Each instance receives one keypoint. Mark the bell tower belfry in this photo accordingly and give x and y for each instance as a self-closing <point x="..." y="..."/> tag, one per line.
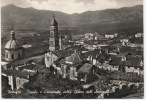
<point x="54" y="36"/>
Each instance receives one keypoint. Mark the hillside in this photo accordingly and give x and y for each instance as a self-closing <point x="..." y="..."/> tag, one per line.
<point x="31" y="18"/>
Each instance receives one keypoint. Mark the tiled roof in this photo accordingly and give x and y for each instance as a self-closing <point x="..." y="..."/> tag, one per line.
<point x="68" y="51"/>
<point x="75" y="58"/>
<point x="103" y="57"/>
<point x="18" y="73"/>
<point x="131" y="60"/>
<point x="91" y="53"/>
<point x="85" y="68"/>
<point x="115" y="60"/>
<point x="59" y="53"/>
<point x="63" y="53"/>
<point x="77" y="48"/>
<point x="132" y="50"/>
<point x="30" y="67"/>
<point x="60" y="61"/>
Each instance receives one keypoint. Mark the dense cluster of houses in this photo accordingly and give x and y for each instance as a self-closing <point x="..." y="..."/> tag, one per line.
<point x="78" y="62"/>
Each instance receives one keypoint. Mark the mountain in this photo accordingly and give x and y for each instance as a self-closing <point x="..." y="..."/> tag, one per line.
<point x="40" y="19"/>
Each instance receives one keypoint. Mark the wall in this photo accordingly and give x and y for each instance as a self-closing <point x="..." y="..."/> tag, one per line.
<point x="49" y="59"/>
<point x="14" y="52"/>
<point x="20" y="82"/>
<point x="133" y="69"/>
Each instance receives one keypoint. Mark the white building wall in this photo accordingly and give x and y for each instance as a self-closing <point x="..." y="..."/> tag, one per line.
<point x="12" y="52"/>
<point x="49" y="59"/>
<point x="133" y="69"/>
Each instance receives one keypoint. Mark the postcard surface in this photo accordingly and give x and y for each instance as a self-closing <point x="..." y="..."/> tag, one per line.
<point x="72" y="49"/>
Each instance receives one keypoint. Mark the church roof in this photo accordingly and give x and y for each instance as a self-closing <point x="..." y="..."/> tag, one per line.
<point x="54" y="22"/>
<point x="75" y="58"/>
<point x="13" y="44"/>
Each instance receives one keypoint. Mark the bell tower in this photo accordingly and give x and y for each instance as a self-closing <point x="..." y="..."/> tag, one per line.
<point x="54" y="36"/>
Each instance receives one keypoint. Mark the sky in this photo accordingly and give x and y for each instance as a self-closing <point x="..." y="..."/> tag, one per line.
<point x="73" y="6"/>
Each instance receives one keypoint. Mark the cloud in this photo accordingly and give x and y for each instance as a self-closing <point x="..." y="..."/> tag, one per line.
<point x="73" y="6"/>
<point x="128" y="2"/>
<point x="39" y="0"/>
<point x="85" y="1"/>
<point x="20" y="3"/>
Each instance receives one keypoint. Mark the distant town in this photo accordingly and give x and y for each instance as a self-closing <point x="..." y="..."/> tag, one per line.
<point x="89" y="65"/>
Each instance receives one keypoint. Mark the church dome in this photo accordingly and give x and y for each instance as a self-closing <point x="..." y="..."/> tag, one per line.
<point x="54" y="22"/>
<point x="13" y="43"/>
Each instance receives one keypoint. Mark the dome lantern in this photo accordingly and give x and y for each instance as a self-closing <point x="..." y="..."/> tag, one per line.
<point x="13" y="43"/>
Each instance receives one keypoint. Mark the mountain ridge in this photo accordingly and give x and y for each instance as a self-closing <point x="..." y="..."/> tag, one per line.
<point x="33" y="18"/>
<point x="12" y="5"/>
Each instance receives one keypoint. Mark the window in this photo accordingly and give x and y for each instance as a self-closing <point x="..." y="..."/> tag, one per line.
<point x="19" y="56"/>
<point x="51" y="43"/>
<point x="6" y="55"/>
<point x="12" y="56"/>
<point x="52" y="34"/>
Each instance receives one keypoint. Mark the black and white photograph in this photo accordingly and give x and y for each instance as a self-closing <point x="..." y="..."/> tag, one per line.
<point x="72" y="49"/>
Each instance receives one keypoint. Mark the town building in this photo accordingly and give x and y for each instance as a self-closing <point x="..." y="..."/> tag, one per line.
<point x="138" y="35"/>
<point x="111" y="35"/>
<point x="124" y="42"/>
<point x="89" y="36"/>
<point x="16" y="78"/>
